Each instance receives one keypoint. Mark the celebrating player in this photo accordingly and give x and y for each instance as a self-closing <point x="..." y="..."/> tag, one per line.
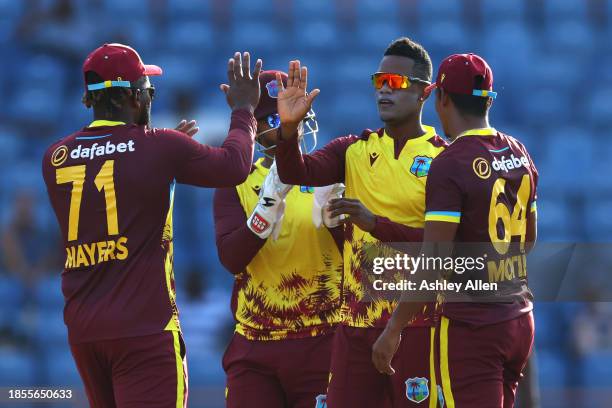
<point x="111" y="186"/>
<point x="384" y="172"/>
<point x="287" y="272"/>
<point x="482" y="191"/>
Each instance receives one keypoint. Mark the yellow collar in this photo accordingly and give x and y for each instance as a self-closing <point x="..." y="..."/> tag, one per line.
<point x="429" y="133"/>
<point x="260" y="167"/>
<point x="98" y="123"/>
<point x="479" y="132"/>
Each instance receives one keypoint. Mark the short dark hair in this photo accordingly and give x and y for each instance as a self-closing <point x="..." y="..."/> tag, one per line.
<point x="471" y="105"/>
<point x="405" y="47"/>
<point x="103" y="97"/>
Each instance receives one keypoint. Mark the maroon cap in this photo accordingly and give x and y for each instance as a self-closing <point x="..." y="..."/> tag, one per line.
<point x="117" y="63"/>
<point x="457" y="74"/>
<point x="269" y="93"/>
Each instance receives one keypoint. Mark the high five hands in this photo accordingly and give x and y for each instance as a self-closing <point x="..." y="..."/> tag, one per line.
<point x="243" y="89"/>
<point x="294" y="101"/>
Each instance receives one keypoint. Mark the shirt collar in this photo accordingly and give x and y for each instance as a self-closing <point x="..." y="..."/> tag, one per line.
<point x="99" y="123"/>
<point x="489" y="131"/>
<point x="429" y="133"/>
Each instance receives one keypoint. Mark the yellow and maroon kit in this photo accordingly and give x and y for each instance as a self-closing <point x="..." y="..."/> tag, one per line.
<point x="485" y="182"/>
<point x="388" y="177"/>
<point x="111" y="186"/>
<point x="284" y="288"/>
<point x="286" y="298"/>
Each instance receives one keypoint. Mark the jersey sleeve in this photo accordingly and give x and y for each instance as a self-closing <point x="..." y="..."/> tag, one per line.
<point x="206" y="166"/>
<point x="321" y="168"/>
<point x="533" y="199"/>
<point x="443" y="191"/>
<point x="237" y="245"/>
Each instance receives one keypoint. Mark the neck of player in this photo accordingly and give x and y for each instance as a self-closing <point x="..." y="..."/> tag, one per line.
<point x="408" y="129"/>
<point x="464" y="123"/>
<point x="121" y="116"/>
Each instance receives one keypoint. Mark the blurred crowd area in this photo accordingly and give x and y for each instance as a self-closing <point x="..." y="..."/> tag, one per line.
<point x="551" y="60"/>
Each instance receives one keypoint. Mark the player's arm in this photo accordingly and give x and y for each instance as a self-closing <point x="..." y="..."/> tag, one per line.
<point x="443" y="198"/>
<point x="224" y="166"/>
<point x="532" y="229"/>
<point x="237" y="245"/>
<point x="378" y="226"/>
<point x="438" y="242"/>
<point x="228" y="165"/>
<point x="531" y="235"/>
<point x="324" y="167"/>
<point x="321" y="168"/>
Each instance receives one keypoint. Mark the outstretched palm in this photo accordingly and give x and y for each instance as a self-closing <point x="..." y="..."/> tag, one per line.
<point x="294" y="101"/>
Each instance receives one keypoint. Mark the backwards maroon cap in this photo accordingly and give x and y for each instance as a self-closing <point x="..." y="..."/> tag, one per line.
<point x="269" y="93"/>
<point x="118" y="65"/>
<point x="457" y="74"/>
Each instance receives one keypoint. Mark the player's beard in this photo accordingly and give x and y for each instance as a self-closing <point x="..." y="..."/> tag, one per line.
<point x="144" y="118"/>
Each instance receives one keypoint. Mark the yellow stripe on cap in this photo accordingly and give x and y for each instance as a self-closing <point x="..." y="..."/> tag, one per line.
<point x="444" y="371"/>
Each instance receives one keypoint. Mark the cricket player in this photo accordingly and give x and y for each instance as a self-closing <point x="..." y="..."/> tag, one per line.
<point x="111" y="186"/>
<point x="481" y="198"/>
<point x="384" y="172"/>
<point x="287" y="272"/>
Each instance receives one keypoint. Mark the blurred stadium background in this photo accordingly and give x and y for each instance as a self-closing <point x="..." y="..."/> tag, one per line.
<point x="551" y="60"/>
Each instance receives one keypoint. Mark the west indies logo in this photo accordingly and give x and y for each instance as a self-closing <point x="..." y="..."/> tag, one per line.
<point x="417" y="389"/>
<point x="420" y="166"/>
<point x="272" y="88"/>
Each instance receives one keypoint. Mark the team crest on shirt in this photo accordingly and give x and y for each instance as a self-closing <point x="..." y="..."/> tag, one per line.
<point x="272" y="88"/>
<point x="417" y="389"/>
<point x="420" y="166"/>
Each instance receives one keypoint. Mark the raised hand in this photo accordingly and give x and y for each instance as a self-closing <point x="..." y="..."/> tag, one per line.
<point x="189" y="128"/>
<point x="243" y="89"/>
<point x="294" y="101"/>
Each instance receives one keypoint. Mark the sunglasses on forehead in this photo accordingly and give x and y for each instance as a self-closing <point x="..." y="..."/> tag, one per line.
<point x="395" y="81"/>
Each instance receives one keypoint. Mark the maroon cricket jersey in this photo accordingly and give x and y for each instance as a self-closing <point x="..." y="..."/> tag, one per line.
<point x="486" y="182"/>
<point x="112" y="189"/>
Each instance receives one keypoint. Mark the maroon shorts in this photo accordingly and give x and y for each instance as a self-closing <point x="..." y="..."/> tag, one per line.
<point x="145" y="371"/>
<point x="276" y="373"/>
<point x="355" y="382"/>
<point x="481" y="366"/>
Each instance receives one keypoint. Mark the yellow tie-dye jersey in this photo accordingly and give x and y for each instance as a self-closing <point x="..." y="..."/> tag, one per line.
<point x="391" y="187"/>
<point x="291" y="288"/>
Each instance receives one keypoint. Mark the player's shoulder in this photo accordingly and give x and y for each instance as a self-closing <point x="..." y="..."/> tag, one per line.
<point x="513" y="141"/>
<point x="58" y="150"/>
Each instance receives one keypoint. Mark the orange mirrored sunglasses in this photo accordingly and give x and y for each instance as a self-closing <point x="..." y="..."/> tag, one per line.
<point x="394" y="81"/>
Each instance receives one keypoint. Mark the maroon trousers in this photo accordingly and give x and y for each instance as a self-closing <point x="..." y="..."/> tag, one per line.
<point x="135" y="372"/>
<point x="276" y="373"/>
<point x="355" y="382"/>
<point x="481" y="366"/>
